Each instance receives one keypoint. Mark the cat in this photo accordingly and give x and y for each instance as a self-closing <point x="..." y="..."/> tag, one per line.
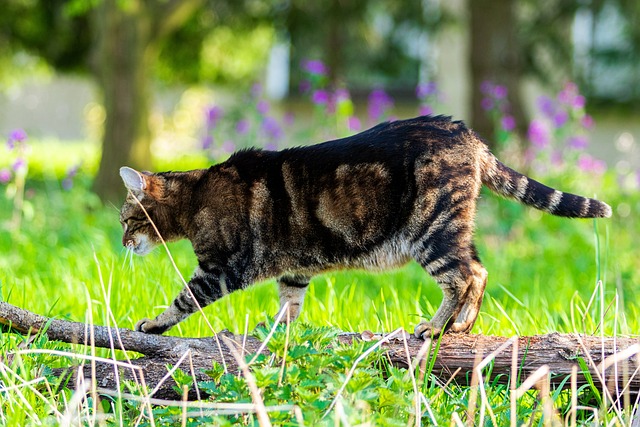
<point x="401" y="190"/>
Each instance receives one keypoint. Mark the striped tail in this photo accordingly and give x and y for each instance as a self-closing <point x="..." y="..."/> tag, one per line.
<point x="509" y="183"/>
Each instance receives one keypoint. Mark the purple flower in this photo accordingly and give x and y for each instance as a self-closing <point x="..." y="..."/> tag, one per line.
<point x="256" y="90"/>
<point x="508" y="123"/>
<point x="587" y="121"/>
<point x="538" y="134"/>
<point x="305" y="86"/>
<point x="289" y="118"/>
<point x="500" y="92"/>
<point x="243" y="126"/>
<point x="353" y="123"/>
<point x="5" y="175"/>
<point x="379" y="102"/>
<point x="426" y="110"/>
<point x="486" y="104"/>
<point x="320" y="97"/>
<point x="342" y="94"/>
<point x="271" y="146"/>
<point x="262" y="106"/>
<point x="577" y="142"/>
<point x="568" y="93"/>
<point x="560" y="118"/>
<point x="589" y="164"/>
<point x="228" y="147"/>
<point x="67" y="184"/>
<point x="546" y="105"/>
<point x="271" y="128"/>
<point x="424" y="90"/>
<point x="315" y="66"/>
<point x="578" y="102"/>
<point x="16" y="136"/>
<point x="213" y="114"/>
<point x="207" y="142"/>
<point x="486" y="87"/>
<point x="19" y="165"/>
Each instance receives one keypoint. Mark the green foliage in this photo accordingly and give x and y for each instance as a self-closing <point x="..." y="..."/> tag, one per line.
<point x="67" y="262"/>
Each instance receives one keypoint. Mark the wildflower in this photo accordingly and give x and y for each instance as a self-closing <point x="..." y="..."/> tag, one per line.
<point x="228" y="147"/>
<point x="379" y="102"/>
<point x="587" y="121"/>
<point x="560" y="118"/>
<point x="424" y="90"/>
<point x="568" y="94"/>
<point x="262" y="106"/>
<point x="305" y="86"/>
<point x="577" y="142"/>
<point x="67" y="182"/>
<point x="16" y="136"/>
<point x="320" y="97"/>
<point x="271" y="128"/>
<point x="353" y="123"/>
<point x="207" y="142"/>
<point x="243" y="126"/>
<point x="5" y="175"/>
<point x="426" y="110"/>
<point x="213" y="115"/>
<point x="289" y="118"/>
<point x="486" y="87"/>
<point x="314" y="66"/>
<point x="500" y="92"/>
<point x="546" y="105"/>
<point x="578" y="102"/>
<point x="486" y="104"/>
<point x="538" y="134"/>
<point x="508" y="123"/>
<point x="19" y="165"/>
<point x="592" y="165"/>
<point x="256" y="90"/>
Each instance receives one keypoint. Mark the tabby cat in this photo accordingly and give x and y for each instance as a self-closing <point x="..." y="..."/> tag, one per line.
<point x="399" y="191"/>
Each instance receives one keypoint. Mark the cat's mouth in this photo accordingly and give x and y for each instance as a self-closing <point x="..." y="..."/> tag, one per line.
<point x="140" y="246"/>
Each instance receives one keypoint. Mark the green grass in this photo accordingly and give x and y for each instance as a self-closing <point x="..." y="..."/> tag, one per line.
<point x="67" y="262"/>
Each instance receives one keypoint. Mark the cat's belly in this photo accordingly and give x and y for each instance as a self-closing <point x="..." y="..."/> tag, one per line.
<point x="388" y="255"/>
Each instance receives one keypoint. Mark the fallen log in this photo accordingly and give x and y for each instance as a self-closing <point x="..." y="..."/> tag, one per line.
<point x="611" y="361"/>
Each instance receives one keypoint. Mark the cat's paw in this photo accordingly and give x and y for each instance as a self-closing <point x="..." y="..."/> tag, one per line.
<point x="149" y="326"/>
<point x="462" y="327"/>
<point x="426" y="330"/>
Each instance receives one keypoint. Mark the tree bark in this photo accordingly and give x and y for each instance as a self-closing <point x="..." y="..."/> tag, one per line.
<point x="495" y="57"/>
<point x="128" y="40"/>
<point x="456" y="358"/>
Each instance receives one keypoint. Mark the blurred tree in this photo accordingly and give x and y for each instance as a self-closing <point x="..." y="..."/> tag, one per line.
<point x="495" y="56"/>
<point x="117" y="41"/>
<point x="129" y="35"/>
<point x="364" y="43"/>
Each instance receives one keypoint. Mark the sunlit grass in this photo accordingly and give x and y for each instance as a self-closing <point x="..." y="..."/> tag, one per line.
<point x="68" y="262"/>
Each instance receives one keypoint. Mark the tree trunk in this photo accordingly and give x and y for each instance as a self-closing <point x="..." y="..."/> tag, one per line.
<point x="128" y="38"/>
<point x="122" y="65"/>
<point x="457" y="356"/>
<point x="495" y="57"/>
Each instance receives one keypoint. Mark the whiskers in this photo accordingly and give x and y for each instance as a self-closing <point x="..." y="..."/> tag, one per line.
<point x="128" y="258"/>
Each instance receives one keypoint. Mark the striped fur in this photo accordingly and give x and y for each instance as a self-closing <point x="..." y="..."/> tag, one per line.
<point x="509" y="183"/>
<point x="399" y="191"/>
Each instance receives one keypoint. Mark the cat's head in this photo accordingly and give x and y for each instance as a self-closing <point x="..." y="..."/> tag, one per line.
<point x="144" y="202"/>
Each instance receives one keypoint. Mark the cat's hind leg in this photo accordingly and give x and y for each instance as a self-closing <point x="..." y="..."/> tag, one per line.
<point x="451" y="260"/>
<point x="292" y="288"/>
<point x="473" y="298"/>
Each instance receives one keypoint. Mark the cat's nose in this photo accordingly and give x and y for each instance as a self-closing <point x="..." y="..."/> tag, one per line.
<point x="127" y="242"/>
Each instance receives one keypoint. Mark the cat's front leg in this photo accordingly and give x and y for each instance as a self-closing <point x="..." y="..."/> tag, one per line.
<point x="203" y="289"/>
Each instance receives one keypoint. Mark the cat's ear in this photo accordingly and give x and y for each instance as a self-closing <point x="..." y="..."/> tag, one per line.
<point x="134" y="181"/>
